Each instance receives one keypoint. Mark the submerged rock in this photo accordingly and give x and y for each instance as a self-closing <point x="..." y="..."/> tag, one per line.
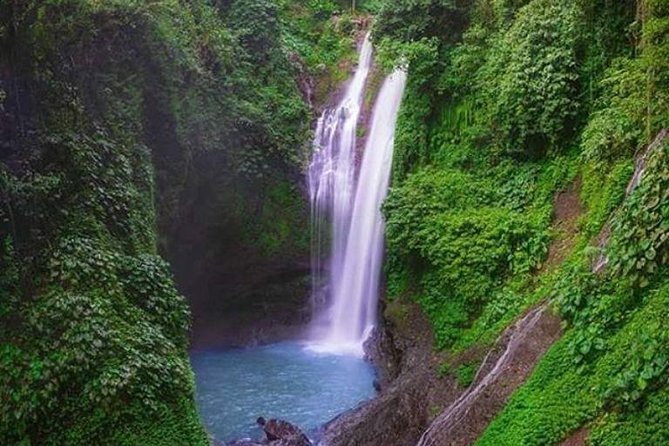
<point x="296" y="441"/>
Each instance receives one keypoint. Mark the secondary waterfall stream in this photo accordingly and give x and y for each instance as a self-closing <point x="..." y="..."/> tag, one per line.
<point x="308" y="383"/>
<point x="349" y="207"/>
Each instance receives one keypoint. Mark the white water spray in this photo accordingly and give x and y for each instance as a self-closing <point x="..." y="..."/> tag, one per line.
<point x="346" y="297"/>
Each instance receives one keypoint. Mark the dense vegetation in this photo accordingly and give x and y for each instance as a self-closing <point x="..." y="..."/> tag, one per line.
<point x="112" y="114"/>
<point x="508" y="105"/>
<point x="136" y="130"/>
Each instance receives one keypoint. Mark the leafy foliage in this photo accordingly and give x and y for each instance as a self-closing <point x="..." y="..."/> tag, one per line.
<point x="560" y="397"/>
<point x="613" y="361"/>
<point x="615" y="128"/>
<point x="413" y="20"/>
<point x="459" y="245"/>
<point x="466" y="373"/>
<point x="113" y="109"/>
<point x="498" y="117"/>
<point x="530" y="78"/>
<point x="641" y="241"/>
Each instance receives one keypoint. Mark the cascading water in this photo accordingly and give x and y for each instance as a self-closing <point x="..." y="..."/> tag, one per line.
<point x="353" y="211"/>
<point x="331" y="179"/>
<point x="355" y="298"/>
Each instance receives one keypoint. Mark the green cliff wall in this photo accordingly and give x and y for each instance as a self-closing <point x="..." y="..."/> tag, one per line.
<point x="132" y="129"/>
<point x="508" y="104"/>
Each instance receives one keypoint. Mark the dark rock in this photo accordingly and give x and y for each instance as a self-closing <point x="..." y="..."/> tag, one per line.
<point x="292" y="441"/>
<point x="411" y="391"/>
<point x="283" y="433"/>
<point x="382" y="350"/>
<point x="246" y="443"/>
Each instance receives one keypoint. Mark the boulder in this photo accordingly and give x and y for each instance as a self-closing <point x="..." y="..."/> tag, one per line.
<point x="283" y="433"/>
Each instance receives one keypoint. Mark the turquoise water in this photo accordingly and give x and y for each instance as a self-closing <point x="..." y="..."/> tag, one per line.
<point x="235" y="387"/>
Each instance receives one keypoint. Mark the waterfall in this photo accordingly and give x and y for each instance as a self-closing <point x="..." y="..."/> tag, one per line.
<point x="331" y="179"/>
<point x="347" y="213"/>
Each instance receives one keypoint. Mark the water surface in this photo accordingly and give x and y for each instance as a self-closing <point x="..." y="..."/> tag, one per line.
<point x="287" y="381"/>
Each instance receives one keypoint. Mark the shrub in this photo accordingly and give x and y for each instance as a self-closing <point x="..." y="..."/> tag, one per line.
<point x="531" y="76"/>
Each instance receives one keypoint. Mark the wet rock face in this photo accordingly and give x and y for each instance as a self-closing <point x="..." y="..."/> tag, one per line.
<point x="395" y="418"/>
<point x="411" y="392"/>
<point x="217" y="241"/>
<point x="381" y="350"/>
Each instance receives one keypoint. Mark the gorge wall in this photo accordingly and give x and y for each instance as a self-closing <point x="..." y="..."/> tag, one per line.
<point x="132" y="132"/>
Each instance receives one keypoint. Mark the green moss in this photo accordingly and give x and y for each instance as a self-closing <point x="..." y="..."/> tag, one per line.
<point x="444" y="369"/>
<point x="603" y="190"/>
<point x="465" y="374"/>
<point x="646" y="425"/>
<point x="275" y="229"/>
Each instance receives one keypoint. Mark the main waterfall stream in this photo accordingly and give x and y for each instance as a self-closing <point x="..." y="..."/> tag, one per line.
<point x="349" y="208"/>
<point x="308" y="383"/>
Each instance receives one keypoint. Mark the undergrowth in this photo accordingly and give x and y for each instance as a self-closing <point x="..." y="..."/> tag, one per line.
<point x="500" y="116"/>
